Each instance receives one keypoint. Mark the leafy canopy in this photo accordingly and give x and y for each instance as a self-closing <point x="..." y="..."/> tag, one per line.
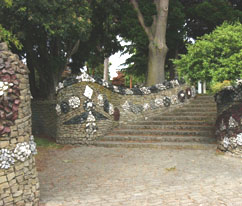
<point x="214" y="57"/>
<point x="8" y="37"/>
<point x="49" y="32"/>
<point x="5" y="35"/>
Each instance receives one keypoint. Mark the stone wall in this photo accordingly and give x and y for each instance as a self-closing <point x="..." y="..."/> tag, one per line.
<point x="19" y="184"/>
<point x="89" y="108"/>
<point x="229" y="121"/>
<point x="44" y="118"/>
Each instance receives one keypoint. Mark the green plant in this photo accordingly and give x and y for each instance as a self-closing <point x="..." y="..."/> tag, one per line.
<point x="216" y="87"/>
<point x="215" y="57"/>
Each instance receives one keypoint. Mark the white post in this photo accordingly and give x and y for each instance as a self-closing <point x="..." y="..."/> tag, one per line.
<point x="204" y="87"/>
<point x="105" y="72"/>
<point x="199" y="84"/>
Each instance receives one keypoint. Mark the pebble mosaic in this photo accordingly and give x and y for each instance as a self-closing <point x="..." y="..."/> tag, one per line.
<point x="229" y="121"/>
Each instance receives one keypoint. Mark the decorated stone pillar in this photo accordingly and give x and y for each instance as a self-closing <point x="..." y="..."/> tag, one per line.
<point x="19" y="183"/>
<point x="229" y="119"/>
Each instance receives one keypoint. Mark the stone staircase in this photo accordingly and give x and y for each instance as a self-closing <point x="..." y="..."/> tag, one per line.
<point x="187" y="127"/>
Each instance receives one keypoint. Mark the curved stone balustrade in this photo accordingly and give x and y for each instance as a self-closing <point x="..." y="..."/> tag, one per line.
<point x="89" y="108"/>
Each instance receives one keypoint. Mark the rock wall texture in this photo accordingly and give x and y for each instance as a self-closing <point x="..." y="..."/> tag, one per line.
<point x="88" y="108"/>
<point x="229" y="120"/>
<point x="19" y="183"/>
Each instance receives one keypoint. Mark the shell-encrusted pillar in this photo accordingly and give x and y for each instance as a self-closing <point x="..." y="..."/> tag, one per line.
<point x="19" y="183"/>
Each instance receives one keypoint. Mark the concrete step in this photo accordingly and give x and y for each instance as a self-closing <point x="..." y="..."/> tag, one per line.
<point x="171" y="122"/>
<point x="157" y="138"/>
<point x="189" y="113"/>
<point x="157" y="145"/>
<point x="161" y="126"/>
<point x="199" y="105"/>
<point x="184" y="118"/>
<point x="202" y="96"/>
<point x="194" y="109"/>
<point x="147" y="132"/>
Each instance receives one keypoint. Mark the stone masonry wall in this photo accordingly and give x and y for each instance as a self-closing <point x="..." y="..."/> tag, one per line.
<point x="19" y="185"/>
<point x="229" y="120"/>
<point x="89" y="108"/>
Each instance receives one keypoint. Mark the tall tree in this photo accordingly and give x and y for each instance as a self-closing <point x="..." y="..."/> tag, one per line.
<point x="50" y="32"/>
<point x="202" y="16"/>
<point x="5" y="35"/>
<point x="131" y="31"/>
<point x="175" y="35"/>
<point x="187" y="19"/>
<point x="103" y="41"/>
<point x="156" y="34"/>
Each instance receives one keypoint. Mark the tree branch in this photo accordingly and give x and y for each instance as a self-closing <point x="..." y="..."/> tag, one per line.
<point x="70" y="53"/>
<point x="75" y="48"/>
<point x="141" y="20"/>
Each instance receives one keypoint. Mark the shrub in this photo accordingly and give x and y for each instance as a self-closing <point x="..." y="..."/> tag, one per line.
<point x="218" y="86"/>
<point x="215" y="57"/>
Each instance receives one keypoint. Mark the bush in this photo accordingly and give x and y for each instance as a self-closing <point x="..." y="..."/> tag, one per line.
<point x="220" y="85"/>
<point x="215" y="57"/>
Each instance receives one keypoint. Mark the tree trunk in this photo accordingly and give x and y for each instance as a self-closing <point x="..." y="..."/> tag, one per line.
<point x="52" y="88"/>
<point x="105" y="71"/>
<point x="32" y="80"/>
<point x="156" y="65"/>
<point x="157" y="40"/>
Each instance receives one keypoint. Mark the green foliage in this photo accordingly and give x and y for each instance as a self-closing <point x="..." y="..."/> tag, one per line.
<point x="95" y="70"/>
<point x="8" y="37"/>
<point x="131" y="30"/>
<point x="202" y="16"/>
<point x="216" y="87"/>
<point x="103" y="40"/>
<point x="186" y="19"/>
<point x="6" y="3"/>
<point x="5" y="35"/>
<point x="136" y="80"/>
<point x="48" y="31"/>
<point x="215" y="57"/>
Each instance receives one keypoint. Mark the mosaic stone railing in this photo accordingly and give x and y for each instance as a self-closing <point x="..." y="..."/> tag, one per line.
<point x="18" y="176"/>
<point x="89" y="108"/>
<point x="229" y="121"/>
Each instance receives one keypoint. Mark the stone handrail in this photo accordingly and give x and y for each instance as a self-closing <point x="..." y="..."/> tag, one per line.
<point x="89" y="108"/>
